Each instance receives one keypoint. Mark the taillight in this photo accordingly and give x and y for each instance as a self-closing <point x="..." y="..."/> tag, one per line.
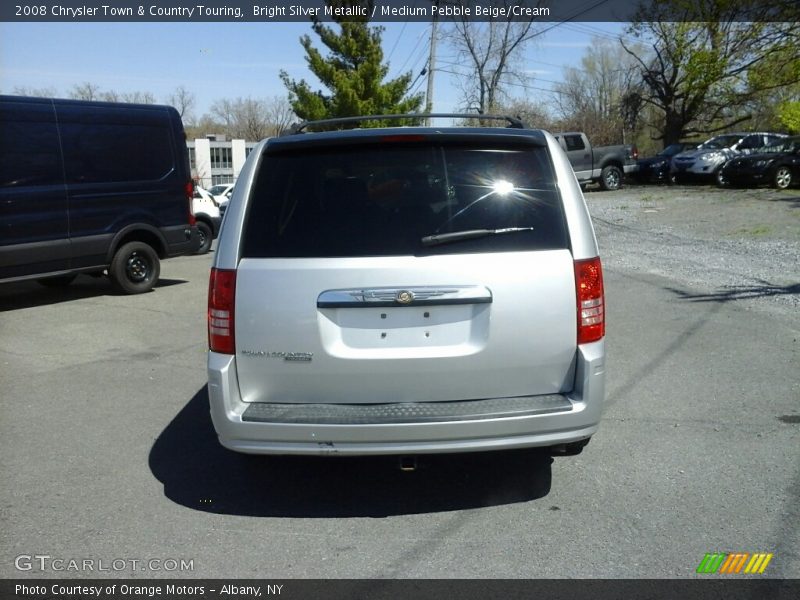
<point x="221" y="291"/>
<point x="189" y="191"/>
<point x="590" y="301"/>
<point x="635" y="153"/>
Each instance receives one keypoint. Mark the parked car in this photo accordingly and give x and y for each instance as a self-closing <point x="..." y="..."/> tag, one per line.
<point x="777" y="164"/>
<point x="208" y="216"/>
<point x="406" y="290"/>
<point x="705" y="161"/>
<point x="656" y="169"/>
<point x="222" y="194"/>
<point x="90" y="187"/>
<point x="606" y="165"/>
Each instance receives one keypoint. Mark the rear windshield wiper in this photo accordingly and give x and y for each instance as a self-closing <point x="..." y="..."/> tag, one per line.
<point x="467" y="234"/>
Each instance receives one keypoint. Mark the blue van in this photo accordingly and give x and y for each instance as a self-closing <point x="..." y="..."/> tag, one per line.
<point x="92" y="187"/>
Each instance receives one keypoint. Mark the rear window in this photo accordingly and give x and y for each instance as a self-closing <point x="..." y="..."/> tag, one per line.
<point x="382" y="200"/>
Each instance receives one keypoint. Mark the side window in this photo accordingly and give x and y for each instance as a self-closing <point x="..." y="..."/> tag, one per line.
<point x="117" y="148"/>
<point x="574" y="142"/>
<point x="29" y="153"/>
<point x="751" y="142"/>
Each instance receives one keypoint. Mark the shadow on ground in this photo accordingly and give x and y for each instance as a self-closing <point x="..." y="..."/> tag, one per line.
<point x="740" y="292"/>
<point x="794" y="201"/>
<point x="29" y="294"/>
<point x="200" y="474"/>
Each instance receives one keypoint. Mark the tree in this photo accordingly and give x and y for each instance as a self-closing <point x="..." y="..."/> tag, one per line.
<point x="352" y="72"/>
<point x="491" y="51"/>
<point x="533" y="114"/>
<point x="184" y="102"/>
<point x="280" y="115"/>
<point x="710" y="58"/>
<point x="600" y="98"/>
<point x="789" y="116"/>
<point x="85" y="91"/>
<point x="243" y="118"/>
<point x="45" y="92"/>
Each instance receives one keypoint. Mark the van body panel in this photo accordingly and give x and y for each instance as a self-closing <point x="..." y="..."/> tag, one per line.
<point x="75" y="174"/>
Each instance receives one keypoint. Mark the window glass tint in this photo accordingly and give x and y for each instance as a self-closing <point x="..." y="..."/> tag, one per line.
<point x="106" y="152"/>
<point x="29" y="152"/>
<point x="373" y="201"/>
<point x="574" y="142"/>
<point x="721" y="141"/>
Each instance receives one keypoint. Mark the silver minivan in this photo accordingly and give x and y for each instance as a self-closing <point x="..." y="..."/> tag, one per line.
<point x="406" y="290"/>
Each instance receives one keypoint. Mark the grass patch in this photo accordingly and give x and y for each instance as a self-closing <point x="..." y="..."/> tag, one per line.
<point x="754" y="231"/>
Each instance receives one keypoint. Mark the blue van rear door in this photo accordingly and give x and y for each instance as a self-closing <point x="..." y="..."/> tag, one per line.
<point x="34" y="223"/>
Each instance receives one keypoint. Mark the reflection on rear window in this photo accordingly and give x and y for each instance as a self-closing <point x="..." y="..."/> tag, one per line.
<point x="380" y="201"/>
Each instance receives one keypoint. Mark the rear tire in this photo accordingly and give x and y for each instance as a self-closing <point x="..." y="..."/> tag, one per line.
<point x="206" y="237"/>
<point x="135" y="268"/>
<point x="782" y="178"/>
<point x="722" y="181"/>
<point x="58" y="281"/>
<point x="611" y="178"/>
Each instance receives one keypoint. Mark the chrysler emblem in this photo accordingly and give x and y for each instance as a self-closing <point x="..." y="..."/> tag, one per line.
<point x="404" y="297"/>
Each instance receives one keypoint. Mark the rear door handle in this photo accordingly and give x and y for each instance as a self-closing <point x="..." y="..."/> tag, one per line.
<point x="384" y="297"/>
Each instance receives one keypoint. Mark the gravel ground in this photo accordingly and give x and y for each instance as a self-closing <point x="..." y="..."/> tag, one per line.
<point x="719" y="244"/>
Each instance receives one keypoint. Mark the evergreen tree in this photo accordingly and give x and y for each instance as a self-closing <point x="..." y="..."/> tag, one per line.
<point x="353" y="73"/>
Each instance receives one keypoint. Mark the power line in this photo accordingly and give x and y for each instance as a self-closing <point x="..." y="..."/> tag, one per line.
<point x="411" y="54"/>
<point x="400" y="36"/>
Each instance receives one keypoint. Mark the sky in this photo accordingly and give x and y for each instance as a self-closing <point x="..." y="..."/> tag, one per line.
<point x="229" y="60"/>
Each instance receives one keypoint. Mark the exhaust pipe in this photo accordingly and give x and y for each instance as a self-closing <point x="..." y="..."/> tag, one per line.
<point x="408" y="463"/>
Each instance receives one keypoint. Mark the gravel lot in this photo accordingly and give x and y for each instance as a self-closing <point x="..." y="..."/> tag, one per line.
<point x="724" y="244"/>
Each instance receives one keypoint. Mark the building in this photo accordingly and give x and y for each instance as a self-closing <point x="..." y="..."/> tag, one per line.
<point x="214" y="159"/>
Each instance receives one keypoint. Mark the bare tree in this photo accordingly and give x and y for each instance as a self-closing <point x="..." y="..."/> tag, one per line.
<point x="279" y="114"/>
<point x="184" y="102"/>
<point x="45" y="92"/>
<point x="85" y="91"/>
<point x="138" y="97"/>
<point x="602" y="97"/>
<point x="244" y="118"/>
<point x="111" y="96"/>
<point x="490" y="52"/>
<point x="533" y="114"/>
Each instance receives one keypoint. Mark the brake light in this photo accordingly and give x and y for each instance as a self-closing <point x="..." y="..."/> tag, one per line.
<point x="188" y="189"/>
<point x="221" y="291"/>
<point x="590" y="300"/>
<point x="635" y="153"/>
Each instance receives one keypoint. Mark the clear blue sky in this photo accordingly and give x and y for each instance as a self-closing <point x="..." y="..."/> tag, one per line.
<point x="229" y="60"/>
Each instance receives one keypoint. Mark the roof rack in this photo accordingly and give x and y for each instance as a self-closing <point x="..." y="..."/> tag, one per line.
<point x="513" y="122"/>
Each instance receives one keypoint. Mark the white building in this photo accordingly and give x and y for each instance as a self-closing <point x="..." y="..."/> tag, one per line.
<point x="215" y="160"/>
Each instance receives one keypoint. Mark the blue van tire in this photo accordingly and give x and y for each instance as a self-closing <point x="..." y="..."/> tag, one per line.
<point x="206" y="237"/>
<point x="135" y="268"/>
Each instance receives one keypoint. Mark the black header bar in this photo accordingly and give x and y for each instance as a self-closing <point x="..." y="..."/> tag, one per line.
<point x="384" y="11"/>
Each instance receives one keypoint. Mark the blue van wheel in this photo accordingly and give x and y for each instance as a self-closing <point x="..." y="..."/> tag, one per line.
<point x="135" y="268"/>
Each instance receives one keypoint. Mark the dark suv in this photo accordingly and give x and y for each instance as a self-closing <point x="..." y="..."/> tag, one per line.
<point x="92" y="187"/>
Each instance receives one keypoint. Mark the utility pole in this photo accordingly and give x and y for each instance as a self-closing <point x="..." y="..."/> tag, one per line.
<point x="431" y="65"/>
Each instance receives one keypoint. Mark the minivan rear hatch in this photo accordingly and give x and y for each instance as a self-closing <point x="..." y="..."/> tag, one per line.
<point x="405" y="269"/>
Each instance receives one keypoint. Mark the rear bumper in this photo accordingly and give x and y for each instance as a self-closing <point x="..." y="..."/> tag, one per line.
<point x="560" y="419"/>
<point x="630" y="169"/>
